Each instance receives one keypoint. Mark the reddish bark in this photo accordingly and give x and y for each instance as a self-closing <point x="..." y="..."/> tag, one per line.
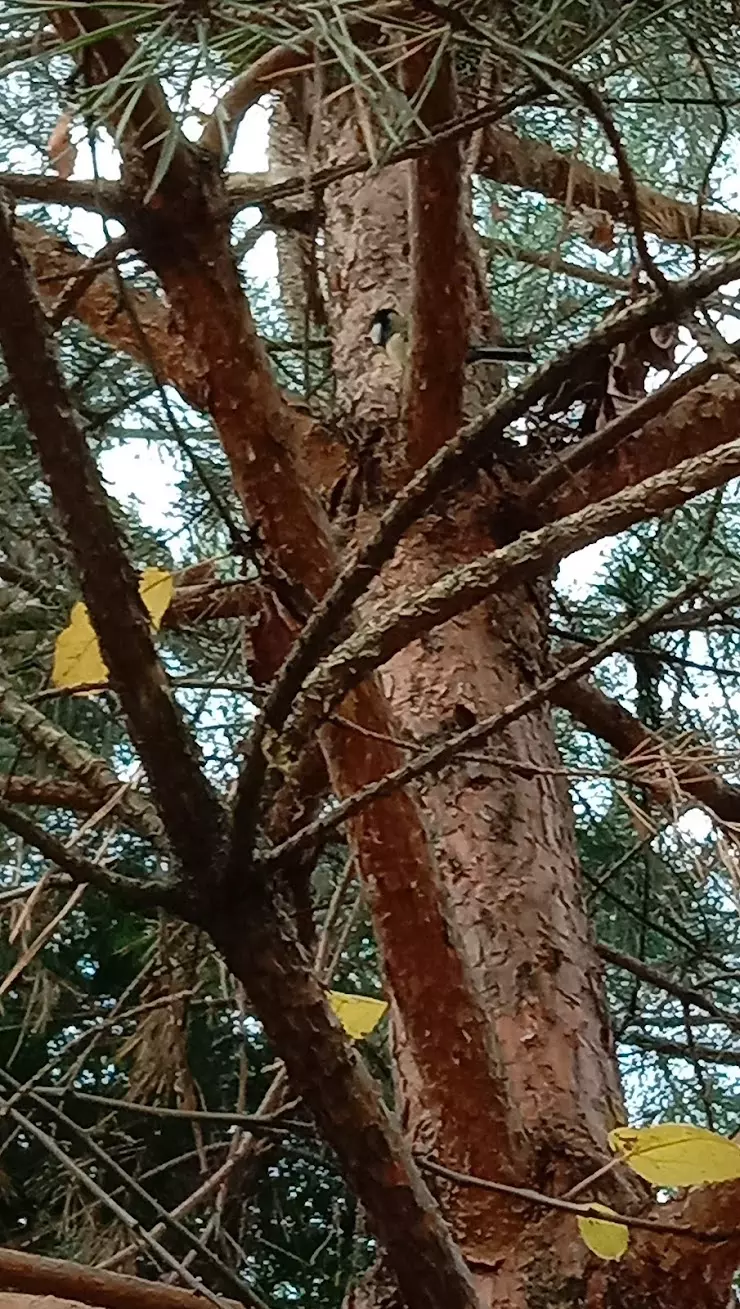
<point x="439" y="274"/>
<point x="503" y="1045"/>
<point x="505" y="850"/>
<point x="701" y="421"/>
<point x="33" y="1277"/>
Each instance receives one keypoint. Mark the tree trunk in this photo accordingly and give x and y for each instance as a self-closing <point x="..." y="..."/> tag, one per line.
<point x="504" y="842"/>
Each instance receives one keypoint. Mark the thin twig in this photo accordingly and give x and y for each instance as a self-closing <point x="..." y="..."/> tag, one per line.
<point x="145" y="896"/>
<point x="436" y="757"/>
<point x="570" y="1206"/>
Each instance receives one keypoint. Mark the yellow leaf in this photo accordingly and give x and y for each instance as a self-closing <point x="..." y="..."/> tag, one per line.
<point x="156" y="589"/>
<point x="77" y="657"/>
<point x="607" y="1240"/>
<point x="677" y="1154"/>
<point x="358" y="1014"/>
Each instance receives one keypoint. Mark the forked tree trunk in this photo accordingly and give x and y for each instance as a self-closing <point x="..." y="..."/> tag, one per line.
<point x="505" y="846"/>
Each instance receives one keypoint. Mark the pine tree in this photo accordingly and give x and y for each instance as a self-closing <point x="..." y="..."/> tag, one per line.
<point x="369" y="742"/>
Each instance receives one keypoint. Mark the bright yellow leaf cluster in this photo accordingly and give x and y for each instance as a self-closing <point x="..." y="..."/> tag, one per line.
<point x="77" y="657"/>
<point x="671" y="1154"/>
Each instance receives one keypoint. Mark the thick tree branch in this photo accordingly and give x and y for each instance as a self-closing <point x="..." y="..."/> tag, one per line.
<point x="191" y="813"/>
<point x="100" y="197"/>
<point x="220" y="131"/>
<point x="564" y="478"/>
<point x="56" y="263"/>
<point x="207" y="602"/>
<point x="437" y="756"/>
<point x="533" y="554"/>
<point x="49" y="792"/>
<point x="453" y="462"/>
<point x="516" y="161"/>
<point x="703" y="420"/>
<point x="535" y="166"/>
<point x="660" y="768"/>
<point x="439" y="332"/>
<point x="33" y="1275"/>
<point x="186" y="243"/>
<point x="260" y="433"/>
<point x="146" y="896"/>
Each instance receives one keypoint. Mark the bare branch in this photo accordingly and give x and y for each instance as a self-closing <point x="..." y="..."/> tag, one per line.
<point x="55" y="263"/>
<point x="609" y="720"/>
<point x="582" y="1210"/>
<point x="675" y="1050"/>
<point x="585" y="453"/>
<point x="145" y="896"/>
<point x="191" y="813"/>
<point x="92" y="773"/>
<point x="551" y="263"/>
<point x="33" y="1275"/>
<point x="220" y="130"/>
<point x="100" y="197"/>
<point x="49" y="792"/>
<point x="531" y="555"/>
<point x="452" y="462"/>
<point x="660" y="980"/>
<point x="437" y="756"/>
<point x="535" y="166"/>
<point x="704" y="419"/>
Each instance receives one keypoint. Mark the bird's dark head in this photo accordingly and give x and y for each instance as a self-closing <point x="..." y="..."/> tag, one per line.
<point x="383" y="326"/>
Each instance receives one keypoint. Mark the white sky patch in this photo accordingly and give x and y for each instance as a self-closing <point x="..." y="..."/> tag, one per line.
<point x="135" y="470"/>
<point x="143" y="472"/>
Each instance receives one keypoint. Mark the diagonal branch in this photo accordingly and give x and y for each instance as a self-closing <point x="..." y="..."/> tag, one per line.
<point x="535" y="166"/>
<point x="662" y="982"/>
<point x="533" y="554"/>
<point x="92" y="773"/>
<point x="220" y="131"/>
<point x="56" y="262"/>
<point x="610" y="721"/>
<point x="437" y="756"/>
<point x="703" y="420"/>
<point x="450" y="464"/>
<point x="33" y="1275"/>
<point x="191" y="813"/>
<point x="146" y="896"/>
<point x="49" y="792"/>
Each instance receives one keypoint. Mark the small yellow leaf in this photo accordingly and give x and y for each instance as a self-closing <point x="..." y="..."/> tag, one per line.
<point x="77" y="657"/>
<point x="358" y="1014"/>
<point x="677" y="1154"/>
<point x="156" y="589"/>
<point x="607" y="1240"/>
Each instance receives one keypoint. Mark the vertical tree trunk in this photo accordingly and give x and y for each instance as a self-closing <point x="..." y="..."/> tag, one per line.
<point x="503" y="840"/>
